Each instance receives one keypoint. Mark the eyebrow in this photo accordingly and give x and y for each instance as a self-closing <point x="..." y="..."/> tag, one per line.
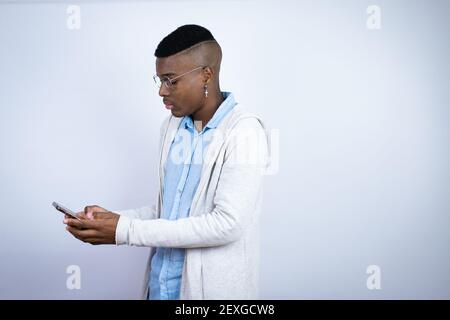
<point x="168" y="74"/>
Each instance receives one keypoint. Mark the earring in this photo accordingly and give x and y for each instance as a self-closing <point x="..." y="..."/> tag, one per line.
<point x="206" y="91"/>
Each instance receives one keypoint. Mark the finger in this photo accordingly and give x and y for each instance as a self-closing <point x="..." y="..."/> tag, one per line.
<point x="82" y="216"/>
<point x="74" y="223"/>
<point x="82" y="235"/>
<point x="89" y="210"/>
<point x="88" y="223"/>
<point x="73" y="232"/>
<point x="79" y="237"/>
<point x="79" y="213"/>
<point x="94" y="241"/>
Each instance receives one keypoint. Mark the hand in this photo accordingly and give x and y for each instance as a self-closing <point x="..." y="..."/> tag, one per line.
<point x="88" y="212"/>
<point x="96" y="225"/>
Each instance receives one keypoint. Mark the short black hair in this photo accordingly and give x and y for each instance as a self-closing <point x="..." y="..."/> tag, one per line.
<point x="181" y="39"/>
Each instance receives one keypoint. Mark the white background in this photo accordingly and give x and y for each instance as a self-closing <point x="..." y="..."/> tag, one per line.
<point x="363" y="117"/>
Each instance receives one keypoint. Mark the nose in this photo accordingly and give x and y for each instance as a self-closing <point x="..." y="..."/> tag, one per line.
<point x="163" y="90"/>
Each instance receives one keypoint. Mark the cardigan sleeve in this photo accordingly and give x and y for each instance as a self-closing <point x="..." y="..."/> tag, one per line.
<point x="143" y="213"/>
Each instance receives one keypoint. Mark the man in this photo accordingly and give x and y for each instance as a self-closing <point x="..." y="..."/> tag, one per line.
<point x="203" y="230"/>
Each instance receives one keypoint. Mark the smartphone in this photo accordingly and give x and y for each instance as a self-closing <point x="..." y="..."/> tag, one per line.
<point x="64" y="210"/>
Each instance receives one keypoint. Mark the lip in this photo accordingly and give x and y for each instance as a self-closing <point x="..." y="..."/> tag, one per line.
<point x="168" y="104"/>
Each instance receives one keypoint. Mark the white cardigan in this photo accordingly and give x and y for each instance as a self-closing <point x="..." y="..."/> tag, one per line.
<point x="221" y="235"/>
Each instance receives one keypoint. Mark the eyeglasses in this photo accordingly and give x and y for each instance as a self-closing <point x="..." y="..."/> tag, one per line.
<point x="169" y="82"/>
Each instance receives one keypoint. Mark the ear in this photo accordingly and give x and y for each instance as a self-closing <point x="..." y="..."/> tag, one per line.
<point x="208" y="74"/>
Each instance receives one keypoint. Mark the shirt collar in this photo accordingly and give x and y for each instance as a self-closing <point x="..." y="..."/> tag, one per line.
<point x="227" y="104"/>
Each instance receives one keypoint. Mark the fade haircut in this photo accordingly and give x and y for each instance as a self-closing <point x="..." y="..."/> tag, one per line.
<point x="182" y="38"/>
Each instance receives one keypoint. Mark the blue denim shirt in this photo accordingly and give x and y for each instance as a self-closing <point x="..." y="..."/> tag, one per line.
<point x="182" y="175"/>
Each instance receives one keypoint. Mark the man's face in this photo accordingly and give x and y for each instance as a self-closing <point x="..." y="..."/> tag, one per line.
<point x="186" y="94"/>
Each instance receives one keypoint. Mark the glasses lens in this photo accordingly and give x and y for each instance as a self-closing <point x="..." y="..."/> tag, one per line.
<point x="157" y="81"/>
<point x="167" y="82"/>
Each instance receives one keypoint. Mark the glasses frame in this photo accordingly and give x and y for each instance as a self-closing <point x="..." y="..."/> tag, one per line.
<point x="168" y="82"/>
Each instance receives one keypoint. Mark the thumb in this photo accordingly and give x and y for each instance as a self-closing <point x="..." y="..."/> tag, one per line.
<point x="89" y="211"/>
